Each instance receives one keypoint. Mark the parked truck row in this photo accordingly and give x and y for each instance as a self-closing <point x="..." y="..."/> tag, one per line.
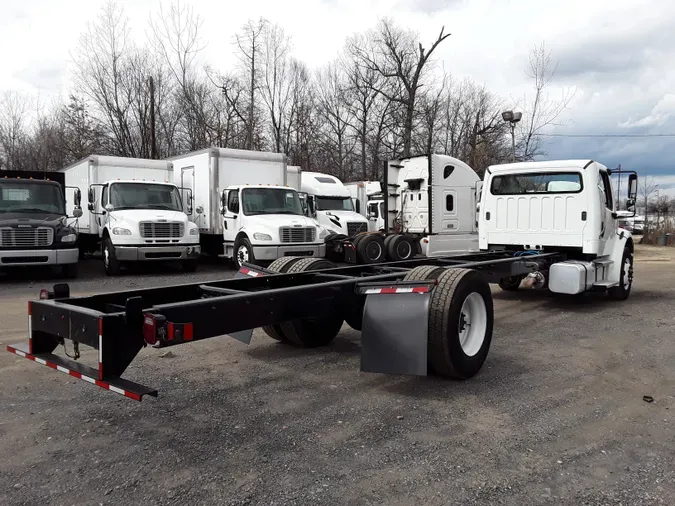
<point x="251" y="207"/>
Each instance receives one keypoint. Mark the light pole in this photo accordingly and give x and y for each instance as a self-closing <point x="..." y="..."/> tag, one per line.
<point x="512" y="118"/>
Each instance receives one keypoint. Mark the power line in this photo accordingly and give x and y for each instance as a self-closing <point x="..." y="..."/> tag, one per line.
<point x="606" y="135"/>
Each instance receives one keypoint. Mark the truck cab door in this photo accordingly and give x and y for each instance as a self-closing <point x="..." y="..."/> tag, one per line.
<point x="373" y="215"/>
<point x="608" y="222"/>
<point x="102" y="216"/>
<point x="231" y="215"/>
<point x="478" y="191"/>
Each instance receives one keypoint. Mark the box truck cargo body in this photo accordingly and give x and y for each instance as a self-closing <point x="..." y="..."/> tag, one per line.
<point x="244" y="207"/>
<point x="135" y="212"/>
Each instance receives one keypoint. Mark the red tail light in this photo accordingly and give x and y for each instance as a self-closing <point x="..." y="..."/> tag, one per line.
<point x="154" y="328"/>
<point x="44" y="294"/>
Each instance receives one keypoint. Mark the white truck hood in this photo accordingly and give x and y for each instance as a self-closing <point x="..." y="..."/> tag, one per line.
<point x="135" y="216"/>
<point x="337" y="220"/>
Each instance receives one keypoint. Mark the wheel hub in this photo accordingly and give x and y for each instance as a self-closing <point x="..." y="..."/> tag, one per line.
<point x="472" y="325"/>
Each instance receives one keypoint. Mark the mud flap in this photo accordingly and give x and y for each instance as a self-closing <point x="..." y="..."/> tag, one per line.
<point x="248" y="270"/>
<point x="395" y="328"/>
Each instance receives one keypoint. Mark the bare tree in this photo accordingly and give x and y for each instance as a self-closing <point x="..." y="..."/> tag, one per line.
<point x="540" y="111"/>
<point x="14" y="117"/>
<point x="334" y="108"/>
<point x="401" y="60"/>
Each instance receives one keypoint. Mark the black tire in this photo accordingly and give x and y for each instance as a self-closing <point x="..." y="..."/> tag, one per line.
<point x="190" y="265"/>
<point x="511" y="284"/>
<point x="622" y="290"/>
<point x="358" y="239"/>
<point x="111" y="265"/>
<point x="280" y="265"/>
<point x="400" y="248"/>
<point x="424" y="273"/>
<point x="387" y="240"/>
<point x="238" y="257"/>
<point x="370" y="249"/>
<point x="69" y="271"/>
<point x="313" y="332"/>
<point x="446" y="355"/>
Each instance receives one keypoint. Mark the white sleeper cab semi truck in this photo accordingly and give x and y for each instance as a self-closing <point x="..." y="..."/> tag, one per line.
<point x="243" y="207"/>
<point x="429" y="209"/>
<point x="369" y="202"/>
<point x="567" y="207"/>
<point x="135" y="212"/>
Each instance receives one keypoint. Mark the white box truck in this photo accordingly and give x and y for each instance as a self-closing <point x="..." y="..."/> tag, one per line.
<point x="244" y="207"/>
<point x="135" y="212"/>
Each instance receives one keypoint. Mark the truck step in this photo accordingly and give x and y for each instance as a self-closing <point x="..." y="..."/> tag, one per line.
<point x="605" y="284"/>
<point x="603" y="261"/>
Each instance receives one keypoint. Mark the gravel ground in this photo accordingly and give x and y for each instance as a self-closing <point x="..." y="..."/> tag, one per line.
<point x="556" y="416"/>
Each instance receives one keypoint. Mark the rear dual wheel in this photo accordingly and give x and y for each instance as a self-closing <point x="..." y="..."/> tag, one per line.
<point x="461" y="317"/>
<point x="305" y="332"/>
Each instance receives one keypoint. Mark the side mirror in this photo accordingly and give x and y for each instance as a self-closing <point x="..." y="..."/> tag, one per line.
<point x="310" y="205"/>
<point x="90" y="206"/>
<point x="78" y="198"/>
<point x="632" y="187"/>
<point x="223" y="202"/>
<point x="109" y="207"/>
<point x="77" y="212"/>
<point x="199" y="209"/>
<point x="358" y="206"/>
<point x="91" y="196"/>
<point x="372" y="215"/>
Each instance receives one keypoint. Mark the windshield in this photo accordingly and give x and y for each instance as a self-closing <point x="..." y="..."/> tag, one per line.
<point x="270" y="201"/>
<point x="145" y="196"/>
<point x="546" y="182"/>
<point x="20" y="197"/>
<point x="334" y="204"/>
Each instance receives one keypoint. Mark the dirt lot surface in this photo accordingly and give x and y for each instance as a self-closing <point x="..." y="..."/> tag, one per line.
<point x="556" y="416"/>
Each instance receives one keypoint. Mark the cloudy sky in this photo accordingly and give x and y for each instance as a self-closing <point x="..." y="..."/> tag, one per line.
<point x="617" y="54"/>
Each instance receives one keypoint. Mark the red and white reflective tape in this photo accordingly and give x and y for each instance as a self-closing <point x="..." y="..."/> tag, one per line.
<point x="100" y="348"/>
<point x="30" y="326"/>
<point x="75" y="374"/>
<point x="249" y="272"/>
<point x="409" y="289"/>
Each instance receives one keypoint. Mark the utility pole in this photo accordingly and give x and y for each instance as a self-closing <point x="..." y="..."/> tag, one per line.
<point x="512" y="118"/>
<point x="153" y="137"/>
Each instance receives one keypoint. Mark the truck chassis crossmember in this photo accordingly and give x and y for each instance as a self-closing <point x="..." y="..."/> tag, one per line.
<point x="300" y="301"/>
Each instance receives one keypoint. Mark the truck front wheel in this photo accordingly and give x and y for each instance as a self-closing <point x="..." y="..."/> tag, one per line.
<point x="110" y="263"/>
<point x="243" y="252"/>
<point x="622" y="290"/>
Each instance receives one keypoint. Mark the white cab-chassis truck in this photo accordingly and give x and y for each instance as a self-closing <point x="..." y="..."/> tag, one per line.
<point x="551" y="222"/>
<point x="135" y="212"/>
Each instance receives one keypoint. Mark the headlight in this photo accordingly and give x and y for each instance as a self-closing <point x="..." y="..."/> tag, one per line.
<point x="69" y="238"/>
<point x="262" y="237"/>
<point x="194" y="231"/>
<point x="121" y="231"/>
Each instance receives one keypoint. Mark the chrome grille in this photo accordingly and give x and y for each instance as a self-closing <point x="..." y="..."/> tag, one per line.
<point x="355" y="227"/>
<point x="24" y="237"/>
<point x="154" y="230"/>
<point x="297" y="234"/>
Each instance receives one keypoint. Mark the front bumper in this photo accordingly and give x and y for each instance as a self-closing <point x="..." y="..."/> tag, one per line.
<point x="18" y="258"/>
<point x="274" y="251"/>
<point x="150" y="253"/>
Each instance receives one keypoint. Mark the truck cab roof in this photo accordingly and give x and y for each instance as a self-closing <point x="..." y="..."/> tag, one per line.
<point x="152" y="181"/>
<point x="579" y="164"/>
<point x="317" y="183"/>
